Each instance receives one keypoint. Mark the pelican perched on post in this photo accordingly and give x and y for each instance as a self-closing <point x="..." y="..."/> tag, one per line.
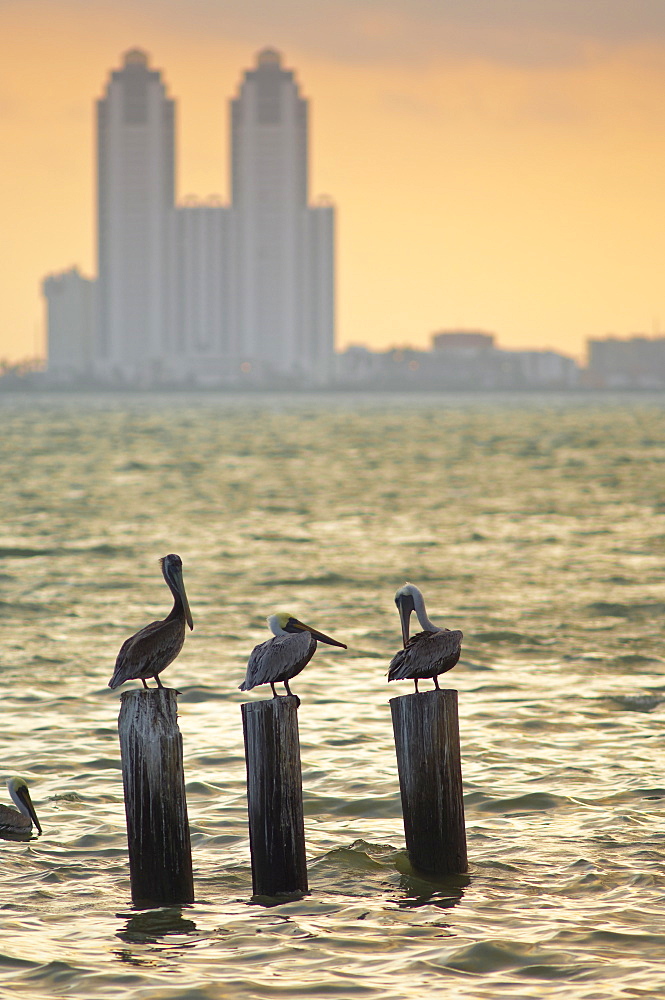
<point x="427" y="653"/>
<point x="22" y="821"/>
<point x="156" y="645"/>
<point x="285" y="655"/>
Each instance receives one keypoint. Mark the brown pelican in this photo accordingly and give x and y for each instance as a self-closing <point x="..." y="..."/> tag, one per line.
<point x="22" y="821"/>
<point x="428" y="653"/>
<point x="156" y="645"/>
<point x="284" y="656"/>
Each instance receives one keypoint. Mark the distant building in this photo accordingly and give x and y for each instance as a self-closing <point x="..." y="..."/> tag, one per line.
<point x="209" y="294"/>
<point x="637" y="362"/>
<point x="461" y="361"/>
<point x="464" y="357"/>
<point x="72" y="315"/>
<point x="202" y="344"/>
<point x="538" y="369"/>
<point x="467" y="341"/>
<point x="317" y="332"/>
<point x="135" y="188"/>
<point x="472" y="358"/>
<point x="358" y="365"/>
<point x="283" y="247"/>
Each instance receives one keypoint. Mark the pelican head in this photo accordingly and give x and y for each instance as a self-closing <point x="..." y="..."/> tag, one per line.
<point x="408" y="599"/>
<point x="284" y="623"/>
<point x="20" y="796"/>
<point x="172" y="570"/>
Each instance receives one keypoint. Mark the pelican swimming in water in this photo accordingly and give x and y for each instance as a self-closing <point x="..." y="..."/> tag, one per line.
<point x="22" y="821"/>
<point x="156" y="645"/>
<point x="427" y="653"/>
<point x="285" y="655"/>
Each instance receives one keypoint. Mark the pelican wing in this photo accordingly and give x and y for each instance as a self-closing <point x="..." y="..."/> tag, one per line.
<point x="278" y="659"/>
<point x="426" y="654"/>
<point x="149" y="651"/>
<point x="12" y="819"/>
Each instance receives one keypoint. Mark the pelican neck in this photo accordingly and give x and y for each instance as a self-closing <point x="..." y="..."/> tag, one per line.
<point x="419" y="604"/>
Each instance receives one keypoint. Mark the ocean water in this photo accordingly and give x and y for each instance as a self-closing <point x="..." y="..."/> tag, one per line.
<point x="536" y="525"/>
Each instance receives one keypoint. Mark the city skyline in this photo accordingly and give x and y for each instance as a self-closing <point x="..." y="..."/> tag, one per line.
<point x="206" y="293"/>
<point x="519" y="154"/>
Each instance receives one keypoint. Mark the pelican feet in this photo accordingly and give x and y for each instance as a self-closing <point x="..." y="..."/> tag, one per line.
<point x="290" y="694"/>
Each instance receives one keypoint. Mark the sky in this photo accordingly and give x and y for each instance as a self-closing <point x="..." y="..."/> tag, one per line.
<point x="496" y="164"/>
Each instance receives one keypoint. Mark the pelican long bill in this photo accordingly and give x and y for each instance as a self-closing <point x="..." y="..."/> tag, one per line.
<point x="179" y="583"/>
<point x="405" y="606"/>
<point x="23" y="794"/>
<point x="185" y="603"/>
<point x="293" y="622"/>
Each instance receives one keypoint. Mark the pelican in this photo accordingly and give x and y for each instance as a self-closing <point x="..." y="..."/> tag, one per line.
<point x="285" y="655"/>
<point x="156" y="645"/>
<point x="22" y="821"/>
<point x="427" y="653"/>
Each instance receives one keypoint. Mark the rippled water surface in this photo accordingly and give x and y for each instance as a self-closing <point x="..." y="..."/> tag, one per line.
<point x="535" y="526"/>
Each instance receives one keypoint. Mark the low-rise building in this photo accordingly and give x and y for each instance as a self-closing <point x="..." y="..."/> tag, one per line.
<point x="637" y="362"/>
<point x="459" y="360"/>
<point x="71" y="317"/>
<point x="468" y="342"/>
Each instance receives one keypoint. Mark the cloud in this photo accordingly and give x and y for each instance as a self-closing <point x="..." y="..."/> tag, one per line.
<point x="514" y="32"/>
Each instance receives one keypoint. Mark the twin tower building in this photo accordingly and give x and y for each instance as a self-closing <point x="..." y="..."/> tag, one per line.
<point x="200" y="293"/>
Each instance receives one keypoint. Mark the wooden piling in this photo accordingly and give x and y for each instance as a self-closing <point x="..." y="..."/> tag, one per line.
<point x="430" y="776"/>
<point x="274" y="796"/>
<point x="160" y="854"/>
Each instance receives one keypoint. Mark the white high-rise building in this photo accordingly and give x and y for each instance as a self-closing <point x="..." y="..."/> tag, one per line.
<point x="71" y="301"/>
<point x="136" y="178"/>
<point x="202" y="346"/>
<point x="283" y="247"/>
<point x="206" y="293"/>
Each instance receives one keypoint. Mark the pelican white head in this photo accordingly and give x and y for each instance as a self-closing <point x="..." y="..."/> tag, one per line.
<point x="285" y="624"/>
<point x="20" y="796"/>
<point x="409" y="599"/>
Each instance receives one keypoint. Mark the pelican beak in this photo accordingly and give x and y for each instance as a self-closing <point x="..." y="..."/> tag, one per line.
<point x="183" y="597"/>
<point x="317" y="635"/>
<point x="24" y="795"/>
<point x="188" y="613"/>
<point x="405" y="606"/>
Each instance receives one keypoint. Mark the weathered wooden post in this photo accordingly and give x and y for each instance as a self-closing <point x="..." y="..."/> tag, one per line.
<point x="430" y="777"/>
<point x="274" y="796"/>
<point x="160" y="854"/>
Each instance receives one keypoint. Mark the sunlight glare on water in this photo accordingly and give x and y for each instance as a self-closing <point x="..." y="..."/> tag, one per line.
<point x="537" y="526"/>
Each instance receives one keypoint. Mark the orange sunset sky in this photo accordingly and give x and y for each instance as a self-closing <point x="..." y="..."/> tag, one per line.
<point x="496" y="164"/>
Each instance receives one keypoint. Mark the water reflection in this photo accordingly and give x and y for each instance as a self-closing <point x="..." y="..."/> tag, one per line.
<point x="149" y="926"/>
<point x="283" y="897"/>
<point x="421" y="888"/>
<point x="421" y="891"/>
<point x="24" y="835"/>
